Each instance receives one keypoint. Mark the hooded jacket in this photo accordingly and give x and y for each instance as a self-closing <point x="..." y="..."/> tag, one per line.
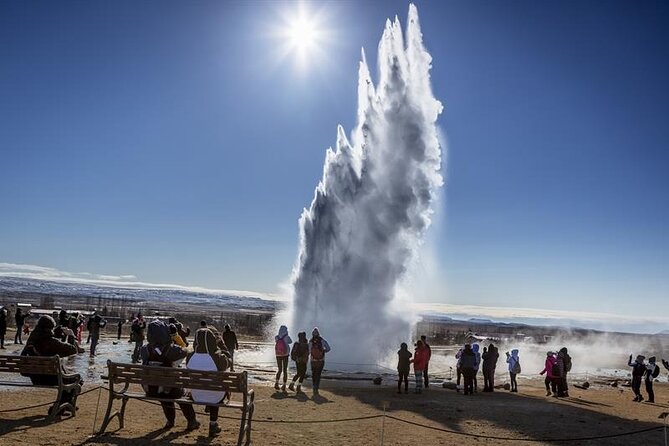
<point x="477" y="355"/>
<point x="283" y="336"/>
<point x="513" y="359"/>
<point x="548" y="366"/>
<point x="317" y="342"/>
<point x="638" y="367"/>
<point x="205" y="342"/>
<point x="404" y="360"/>
<point x="490" y="357"/>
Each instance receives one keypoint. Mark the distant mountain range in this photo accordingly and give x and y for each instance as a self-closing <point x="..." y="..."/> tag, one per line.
<point x="141" y="295"/>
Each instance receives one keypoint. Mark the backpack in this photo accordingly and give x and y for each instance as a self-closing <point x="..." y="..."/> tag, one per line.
<point x="567" y="363"/>
<point x="158" y="333"/>
<point x="515" y="369"/>
<point x="317" y="351"/>
<point x="656" y="372"/>
<point x="280" y="347"/>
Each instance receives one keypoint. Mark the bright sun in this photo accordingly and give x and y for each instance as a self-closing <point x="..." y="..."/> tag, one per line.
<point x="303" y="35"/>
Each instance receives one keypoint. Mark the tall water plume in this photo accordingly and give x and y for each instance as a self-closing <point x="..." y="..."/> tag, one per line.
<point x="372" y="206"/>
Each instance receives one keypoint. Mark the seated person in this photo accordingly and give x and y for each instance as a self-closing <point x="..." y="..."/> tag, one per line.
<point x="43" y="342"/>
<point x="160" y="351"/>
<point x="207" y="356"/>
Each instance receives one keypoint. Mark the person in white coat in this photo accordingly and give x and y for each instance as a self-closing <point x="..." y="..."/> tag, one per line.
<point x="208" y="356"/>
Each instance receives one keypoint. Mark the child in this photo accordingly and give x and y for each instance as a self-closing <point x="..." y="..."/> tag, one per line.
<point x="514" y="368"/>
<point x="403" y="367"/>
<point x="638" y="370"/>
<point x="419" y="360"/>
<point x="300" y="354"/>
<point x="652" y="372"/>
<point x="282" y="350"/>
<point x="176" y="338"/>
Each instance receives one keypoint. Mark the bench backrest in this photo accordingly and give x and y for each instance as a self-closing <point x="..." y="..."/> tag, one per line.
<point x="120" y="373"/>
<point x="31" y="365"/>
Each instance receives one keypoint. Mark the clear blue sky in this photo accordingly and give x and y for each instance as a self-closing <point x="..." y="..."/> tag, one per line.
<point x="167" y="140"/>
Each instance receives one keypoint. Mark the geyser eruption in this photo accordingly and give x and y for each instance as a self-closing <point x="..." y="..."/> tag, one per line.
<point x="372" y="206"/>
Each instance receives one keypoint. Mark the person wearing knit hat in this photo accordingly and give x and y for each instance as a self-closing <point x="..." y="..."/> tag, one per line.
<point x="318" y="347"/>
<point x="638" y="370"/>
<point x="652" y="372"/>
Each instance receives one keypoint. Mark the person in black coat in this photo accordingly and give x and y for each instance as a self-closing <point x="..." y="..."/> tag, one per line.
<point x="43" y="342"/>
<point x="230" y="341"/>
<point x="490" y="358"/>
<point x="19" y="318"/>
<point x="468" y="366"/>
<point x="3" y="326"/>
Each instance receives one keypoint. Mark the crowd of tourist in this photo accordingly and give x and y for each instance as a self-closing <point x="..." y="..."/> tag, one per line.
<point x="167" y="344"/>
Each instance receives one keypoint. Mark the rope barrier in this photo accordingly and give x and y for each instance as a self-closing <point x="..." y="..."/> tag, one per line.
<point x="18" y="409"/>
<point x="392" y="417"/>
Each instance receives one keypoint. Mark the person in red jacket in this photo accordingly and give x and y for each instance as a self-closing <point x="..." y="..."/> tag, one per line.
<point x="420" y="359"/>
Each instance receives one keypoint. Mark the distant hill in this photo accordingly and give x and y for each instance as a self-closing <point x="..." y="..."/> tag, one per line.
<point x="663" y="332"/>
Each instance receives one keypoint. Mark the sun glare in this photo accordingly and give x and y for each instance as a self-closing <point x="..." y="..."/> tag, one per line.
<point x="303" y="35"/>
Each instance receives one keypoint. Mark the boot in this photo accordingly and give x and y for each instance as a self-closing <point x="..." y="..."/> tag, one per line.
<point x="276" y="385"/>
<point x="299" y="388"/>
<point x="283" y="387"/>
<point x="291" y="387"/>
<point x="214" y="429"/>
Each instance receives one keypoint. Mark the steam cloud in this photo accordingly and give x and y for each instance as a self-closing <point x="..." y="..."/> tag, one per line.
<point x="372" y="206"/>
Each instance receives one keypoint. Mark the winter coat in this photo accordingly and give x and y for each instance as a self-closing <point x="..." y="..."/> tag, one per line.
<point x="468" y="359"/>
<point x="477" y="355"/>
<point x="404" y="361"/>
<point x="300" y="351"/>
<point x="513" y="359"/>
<point x="230" y="340"/>
<point x="3" y="322"/>
<point x="283" y="336"/>
<point x="420" y="359"/>
<point x="42" y="342"/>
<point x="638" y="368"/>
<point x="490" y="357"/>
<point x="207" y="357"/>
<point x="548" y="366"/>
<point x="96" y="323"/>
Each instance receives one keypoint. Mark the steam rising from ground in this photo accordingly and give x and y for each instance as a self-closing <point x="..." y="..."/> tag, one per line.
<point x="372" y="206"/>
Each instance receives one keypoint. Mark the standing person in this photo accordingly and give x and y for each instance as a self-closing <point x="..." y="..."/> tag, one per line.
<point x="230" y="341"/>
<point x="489" y="365"/>
<point x="420" y="358"/>
<point x="119" y="328"/>
<point x="43" y="342"/>
<point x="299" y="354"/>
<point x="563" y="386"/>
<point x="514" y="368"/>
<point x="318" y="347"/>
<point x="95" y="323"/>
<point x="137" y="330"/>
<point x="207" y="356"/>
<point x="550" y="380"/>
<point x="3" y="326"/>
<point x="652" y="372"/>
<point x="468" y="365"/>
<point x="665" y="363"/>
<point x="282" y="350"/>
<point x="638" y="370"/>
<point x="485" y="365"/>
<point x="423" y="338"/>
<point x="160" y="351"/>
<point x="403" y="367"/>
<point x="19" y="318"/>
<point x="477" y="355"/>
<point x="458" y="367"/>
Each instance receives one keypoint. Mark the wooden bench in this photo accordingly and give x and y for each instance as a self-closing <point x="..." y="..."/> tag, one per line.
<point x="127" y="374"/>
<point x="43" y="365"/>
